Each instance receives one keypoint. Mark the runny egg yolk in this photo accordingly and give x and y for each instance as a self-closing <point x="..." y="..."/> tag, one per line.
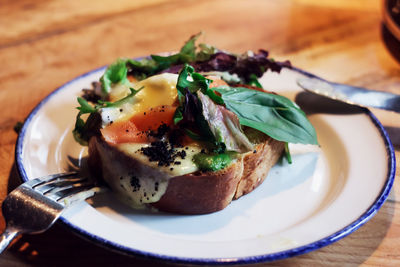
<point x="157" y="90"/>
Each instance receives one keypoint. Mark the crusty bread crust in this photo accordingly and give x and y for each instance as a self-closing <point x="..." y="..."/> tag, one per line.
<point x="199" y="193"/>
<point x="257" y="165"/>
<point x="202" y="192"/>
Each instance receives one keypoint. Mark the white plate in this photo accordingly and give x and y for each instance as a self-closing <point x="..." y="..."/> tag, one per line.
<point x="327" y="193"/>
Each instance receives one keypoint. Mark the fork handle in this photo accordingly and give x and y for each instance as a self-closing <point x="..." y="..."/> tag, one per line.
<point x="6" y="237"/>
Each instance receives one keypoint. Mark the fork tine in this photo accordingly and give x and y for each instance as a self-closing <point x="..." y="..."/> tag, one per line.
<point x="82" y="195"/>
<point x="35" y="205"/>
<point x="60" y="187"/>
<point x="76" y="193"/>
<point x="33" y="182"/>
<point x="49" y="178"/>
<point x="59" y="183"/>
<point x="61" y="193"/>
<point x="64" y="188"/>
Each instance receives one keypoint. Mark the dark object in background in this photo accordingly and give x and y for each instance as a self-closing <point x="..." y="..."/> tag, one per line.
<point x="391" y="27"/>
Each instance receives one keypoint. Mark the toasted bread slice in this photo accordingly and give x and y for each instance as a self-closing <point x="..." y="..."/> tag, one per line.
<point x="193" y="193"/>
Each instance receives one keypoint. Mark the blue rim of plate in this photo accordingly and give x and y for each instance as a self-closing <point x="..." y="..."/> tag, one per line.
<point x="367" y="215"/>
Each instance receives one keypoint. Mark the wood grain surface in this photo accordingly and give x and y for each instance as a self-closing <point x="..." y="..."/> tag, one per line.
<point x="44" y="44"/>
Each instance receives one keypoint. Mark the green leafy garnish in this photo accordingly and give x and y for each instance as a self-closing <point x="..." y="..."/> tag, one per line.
<point x="190" y="82"/>
<point x="115" y="73"/>
<point x="224" y="125"/>
<point x="193" y="81"/>
<point x="85" y="107"/>
<point x="81" y="129"/>
<point x="146" y="67"/>
<point x="189" y="49"/>
<point x="205" y="53"/>
<point x="253" y="80"/>
<point x="141" y="69"/>
<point x="185" y="55"/>
<point x="287" y="153"/>
<point x="271" y="114"/>
<point x="126" y="99"/>
<point x="178" y="115"/>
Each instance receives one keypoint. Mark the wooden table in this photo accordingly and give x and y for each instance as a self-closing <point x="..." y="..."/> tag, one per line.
<point x="44" y="44"/>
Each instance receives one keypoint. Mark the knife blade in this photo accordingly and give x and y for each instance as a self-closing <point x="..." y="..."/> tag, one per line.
<point x="351" y="94"/>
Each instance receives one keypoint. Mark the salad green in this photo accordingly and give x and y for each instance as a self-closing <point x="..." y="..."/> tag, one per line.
<point x="215" y="116"/>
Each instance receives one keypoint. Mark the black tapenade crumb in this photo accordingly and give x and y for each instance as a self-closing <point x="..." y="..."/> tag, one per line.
<point x="162" y="130"/>
<point x="161" y="152"/>
<point x="181" y="154"/>
<point x="135" y="183"/>
<point x="163" y="148"/>
<point x="156" y="186"/>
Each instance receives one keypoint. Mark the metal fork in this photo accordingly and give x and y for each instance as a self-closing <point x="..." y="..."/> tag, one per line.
<point x="36" y="204"/>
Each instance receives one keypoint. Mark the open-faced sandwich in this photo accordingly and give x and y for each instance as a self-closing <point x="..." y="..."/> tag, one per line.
<point x="189" y="132"/>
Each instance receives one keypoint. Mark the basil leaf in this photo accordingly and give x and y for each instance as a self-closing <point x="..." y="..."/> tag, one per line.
<point x="243" y="92"/>
<point x="271" y="114"/>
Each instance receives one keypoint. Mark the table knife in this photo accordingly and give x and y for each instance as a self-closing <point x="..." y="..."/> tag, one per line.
<point x="350" y="94"/>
